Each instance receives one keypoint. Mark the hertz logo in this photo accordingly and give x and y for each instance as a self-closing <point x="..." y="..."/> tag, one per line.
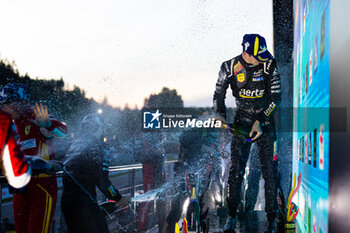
<point x="244" y="93"/>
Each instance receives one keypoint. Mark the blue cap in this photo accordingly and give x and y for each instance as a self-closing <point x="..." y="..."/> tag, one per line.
<point x="14" y="92"/>
<point x="255" y="45"/>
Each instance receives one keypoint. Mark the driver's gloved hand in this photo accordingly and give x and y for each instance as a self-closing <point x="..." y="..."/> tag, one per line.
<point x="40" y="165"/>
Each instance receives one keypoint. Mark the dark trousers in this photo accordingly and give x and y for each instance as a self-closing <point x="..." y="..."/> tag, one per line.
<point x="253" y="180"/>
<point x="82" y="215"/>
<point x="239" y="155"/>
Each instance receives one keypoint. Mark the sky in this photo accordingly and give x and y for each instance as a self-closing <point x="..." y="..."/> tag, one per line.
<point x="127" y="50"/>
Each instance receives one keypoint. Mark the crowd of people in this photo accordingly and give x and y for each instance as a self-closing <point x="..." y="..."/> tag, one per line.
<point x="29" y="165"/>
<point x="28" y="161"/>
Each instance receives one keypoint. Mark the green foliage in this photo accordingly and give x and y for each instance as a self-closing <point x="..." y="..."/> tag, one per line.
<point x="9" y="73"/>
<point x="70" y="106"/>
<point x="61" y="103"/>
<point x="165" y="99"/>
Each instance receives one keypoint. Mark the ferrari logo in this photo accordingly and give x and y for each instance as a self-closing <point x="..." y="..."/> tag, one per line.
<point x="27" y="129"/>
<point x="240" y="77"/>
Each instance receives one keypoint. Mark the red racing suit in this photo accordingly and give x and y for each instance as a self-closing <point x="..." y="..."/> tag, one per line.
<point x="34" y="206"/>
<point x="12" y="161"/>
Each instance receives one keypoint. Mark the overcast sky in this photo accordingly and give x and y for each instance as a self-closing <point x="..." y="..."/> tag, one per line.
<point x="126" y="50"/>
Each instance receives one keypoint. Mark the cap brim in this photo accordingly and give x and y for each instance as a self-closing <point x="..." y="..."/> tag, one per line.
<point x="263" y="56"/>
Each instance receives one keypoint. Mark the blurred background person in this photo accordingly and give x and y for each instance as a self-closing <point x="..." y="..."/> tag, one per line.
<point x="151" y="154"/>
<point x="193" y="144"/>
<point x="85" y="169"/>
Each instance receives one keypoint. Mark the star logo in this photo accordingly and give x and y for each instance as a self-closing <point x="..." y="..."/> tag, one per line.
<point x="156" y="115"/>
<point x="152" y="119"/>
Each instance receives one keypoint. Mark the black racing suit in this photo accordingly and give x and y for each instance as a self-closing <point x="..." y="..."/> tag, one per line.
<point x="257" y="92"/>
<point x="86" y="167"/>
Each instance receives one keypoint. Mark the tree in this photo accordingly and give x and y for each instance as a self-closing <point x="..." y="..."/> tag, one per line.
<point x="165" y="99"/>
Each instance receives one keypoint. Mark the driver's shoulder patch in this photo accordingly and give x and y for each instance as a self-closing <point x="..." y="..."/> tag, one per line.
<point x="238" y="67"/>
<point x="240" y="77"/>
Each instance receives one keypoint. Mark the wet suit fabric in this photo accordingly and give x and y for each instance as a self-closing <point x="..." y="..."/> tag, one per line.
<point x="257" y="92"/>
<point x="82" y="215"/>
<point x="34" y="205"/>
<point x="253" y="180"/>
<point x="12" y="161"/>
<point x="87" y="163"/>
<point x="239" y="157"/>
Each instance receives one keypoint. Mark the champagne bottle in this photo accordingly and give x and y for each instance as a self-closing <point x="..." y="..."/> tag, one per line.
<point x="108" y="207"/>
<point x="238" y="129"/>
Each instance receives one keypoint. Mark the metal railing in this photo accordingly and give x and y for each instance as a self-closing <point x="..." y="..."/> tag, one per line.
<point x="131" y="185"/>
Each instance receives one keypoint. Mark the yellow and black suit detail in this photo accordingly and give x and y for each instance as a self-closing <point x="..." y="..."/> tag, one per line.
<point x="256" y="88"/>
